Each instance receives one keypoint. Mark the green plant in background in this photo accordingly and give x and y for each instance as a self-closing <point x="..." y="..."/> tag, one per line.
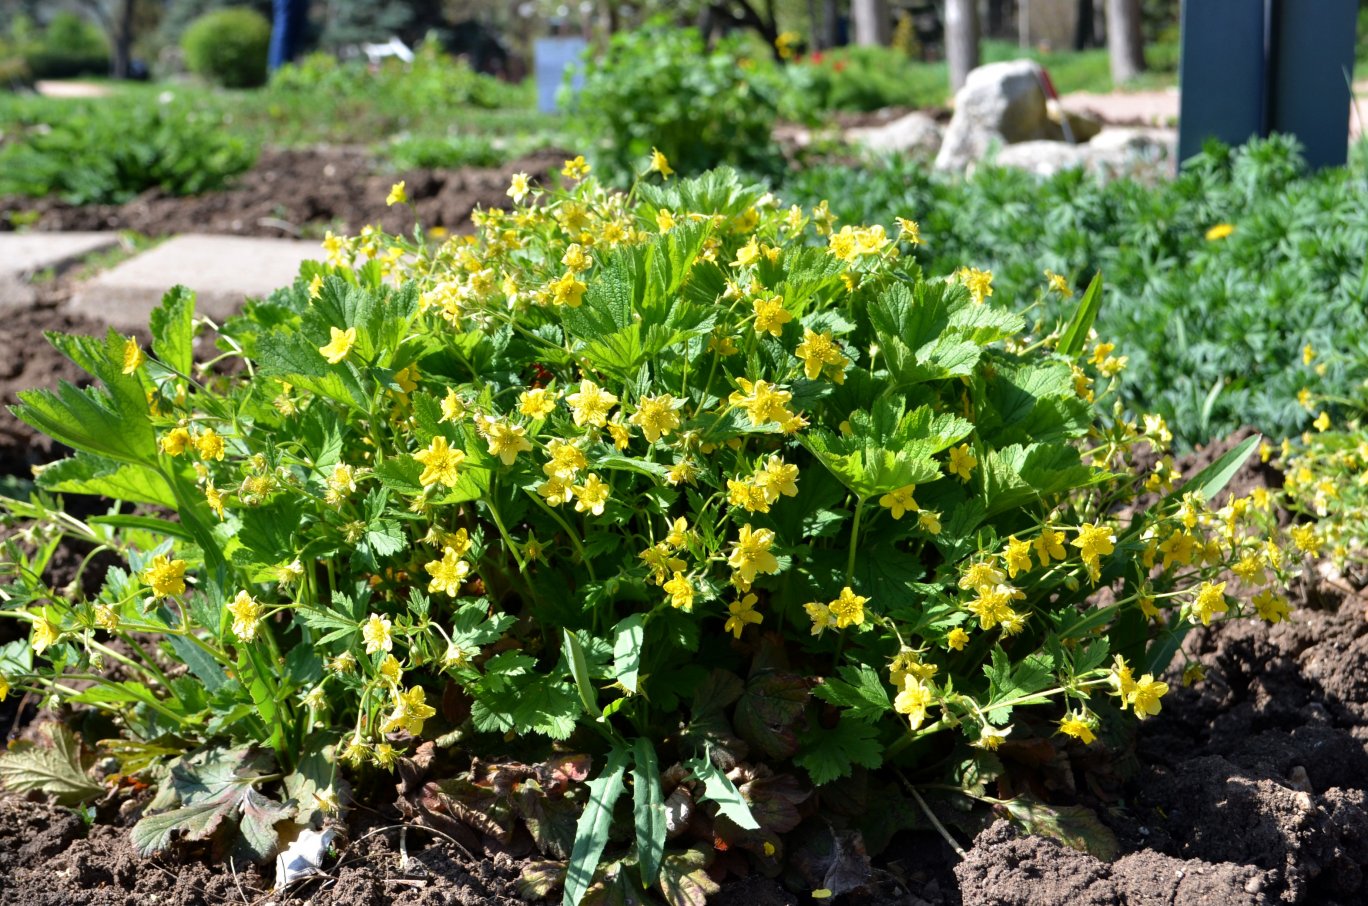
<point x="107" y="154"/>
<point x="652" y="479"/>
<point x="661" y="87"/>
<point x="1215" y="319"/>
<point x="229" y="47"/>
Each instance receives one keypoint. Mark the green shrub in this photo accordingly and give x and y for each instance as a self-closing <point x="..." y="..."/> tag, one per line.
<point x="698" y="500"/>
<point x="106" y="152"/>
<point x="859" y="78"/>
<point x="659" y="87"/>
<point x="229" y="47"/>
<point x="70" y="46"/>
<point x="1214" y="327"/>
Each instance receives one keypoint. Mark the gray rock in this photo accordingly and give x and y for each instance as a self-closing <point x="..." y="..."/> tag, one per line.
<point x="1112" y="152"/>
<point x="915" y="133"/>
<point x="1000" y="102"/>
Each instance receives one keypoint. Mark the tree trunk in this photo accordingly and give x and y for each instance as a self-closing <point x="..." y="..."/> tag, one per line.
<point x="1124" y="43"/>
<point x="1083" y="27"/>
<point x="873" y="24"/>
<point x="815" y="26"/>
<point x="121" y="46"/>
<point x="831" y="23"/>
<point x="997" y="18"/>
<point x="961" y="40"/>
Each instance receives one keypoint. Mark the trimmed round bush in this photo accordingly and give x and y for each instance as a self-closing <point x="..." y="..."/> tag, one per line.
<point x="229" y="47"/>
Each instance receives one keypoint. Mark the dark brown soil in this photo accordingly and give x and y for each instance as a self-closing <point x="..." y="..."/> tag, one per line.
<point x="292" y="192"/>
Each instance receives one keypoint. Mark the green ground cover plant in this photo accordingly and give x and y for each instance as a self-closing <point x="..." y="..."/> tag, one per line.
<point x="1217" y="278"/>
<point x="98" y="153"/>
<point x="684" y="490"/>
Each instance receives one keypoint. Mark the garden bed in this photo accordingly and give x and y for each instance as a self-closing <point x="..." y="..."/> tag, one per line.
<point x="1248" y="788"/>
<point x="294" y="193"/>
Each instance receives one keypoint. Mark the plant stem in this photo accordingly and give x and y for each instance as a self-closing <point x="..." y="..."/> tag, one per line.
<point x="854" y="539"/>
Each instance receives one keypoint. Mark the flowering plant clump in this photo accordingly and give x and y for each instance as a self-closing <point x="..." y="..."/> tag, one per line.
<point x="730" y="497"/>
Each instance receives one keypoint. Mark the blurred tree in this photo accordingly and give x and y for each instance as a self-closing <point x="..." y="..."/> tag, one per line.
<point x="961" y="40"/>
<point x="873" y="23"/>
<point x="1124" y="44"/>
<point x="358" y="21"/>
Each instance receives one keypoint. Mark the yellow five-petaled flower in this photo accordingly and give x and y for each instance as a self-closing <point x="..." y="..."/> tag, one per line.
<point x="341" y="343"/>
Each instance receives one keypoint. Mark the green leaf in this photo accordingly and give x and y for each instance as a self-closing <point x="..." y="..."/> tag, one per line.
<point x="173" y="330"/>
<point x="627" y="640"/>
<point x="579" y="671"/>
<point x="648" y="809"/>
<point x="718" y="789"/>
<point x="1076" y="826"/>
<point x="87" y="473"/>
<point x="1212" y="480"/>
<point x="591" y="833"/>
<point x="54" y="769"/>
<point x="1076" y="334"/>
<point x="829" y="755"/>
<point x="860" y="691"/>
<point x="769" y="711"/>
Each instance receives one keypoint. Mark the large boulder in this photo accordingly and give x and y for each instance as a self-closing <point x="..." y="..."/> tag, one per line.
<point x="1000" y="102"/>
<point x="914" y="133"/>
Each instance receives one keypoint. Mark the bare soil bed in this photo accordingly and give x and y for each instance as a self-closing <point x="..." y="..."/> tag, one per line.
<point x="1249" y="788"/>
<point x="293" y="192"/>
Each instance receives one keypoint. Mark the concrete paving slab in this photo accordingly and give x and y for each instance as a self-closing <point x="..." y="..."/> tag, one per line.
<point x="24" y="254"/>
<point x="222" y="270"/>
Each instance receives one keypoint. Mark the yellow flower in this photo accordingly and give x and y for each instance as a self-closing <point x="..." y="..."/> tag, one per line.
<point x="1121" y="678"/>
<point x="777" y="478"/>
<point x="567" y="290"/>
<point x="1017" y="556"/>
<point x="390" y="671"/>
<point x="166" y="577"/>
<point x="246" y="612"/>
<point x="682" y="472"/>
<point x="591" y="404"/>
<point x="1322" y="421"/>
<point x="447" y="573"/>
<point x="557" y="490"/>
<point x="664" y="220"/>
<point x="957" y="639"/>
<point x="657" y="416"/>
<point x="979" y="283"/>
<point x="982" y="574"/>
<point x="376" y="632"/>
<point x="176" y="441"/>
<point x="750" y="553"/>
<point x="748" y="496"/>
<point x="819" y="351"/>
<point x="1049" y="544"/>
<point x="742" y="613"/>
<point x="659" y="164"/>
<point x="341" y="343"/>
<point x="341" y="483"/>
<point x="592" y="495"/>
<point x="1271" y="607"/>
<point x="410" y="711"/>
<point x="576" y="168"/>
<point x="407" y="377"/>
<point x="770" y="315"/>
<point x="1094" y="541"/>
<point x="662" y="562"/>
<point x="1059" y="284"/>
<point x="913" y="700"/>
<point x="820" y="615"/>
<point x="537" y="402"/>
<point x="441" y="463"/>
<point x="764" y="402"/>
<point x="1144" y="700"/>
<point x="1219" y="231"/>
<point x="681" y="591"/>
<point x="133" y="357"/>
<point x="909" y="231"/>
<point x="848" y="608"/>
<point x="1074" y="725"/>
<point x="518" y="188"/>
<point x="1210" y="600"/>
<point x="4" y="687"/>
<point x="576" y="258"/>
<point x="45" y="635"/>
<point x="962" y="462"/>
<point x="209" y="445"/>
<point x="930" y="521"/>
<point x="506" y="441"/>
<point x="566" y="459"/>
<point x="900" y="501"/>
<point x="748" y="254"/>
<point x="1304" y="398"/>
<point x="992" y="606"/>
<point x="1308" y="354"/>
<point x="990" y="738"/>
<point x="1304" y="537"/>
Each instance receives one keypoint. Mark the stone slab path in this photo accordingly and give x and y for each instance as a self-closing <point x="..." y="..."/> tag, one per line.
<point x="222" y="270"/>
<point x="24" y="254"/>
